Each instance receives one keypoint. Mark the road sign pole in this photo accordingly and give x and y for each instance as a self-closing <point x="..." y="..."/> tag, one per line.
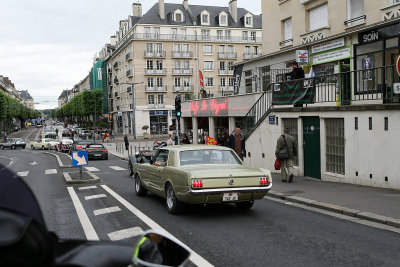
<point x="80" y="171"/>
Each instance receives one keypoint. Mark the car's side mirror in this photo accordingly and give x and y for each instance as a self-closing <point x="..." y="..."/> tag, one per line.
<point x="159" y="249"/>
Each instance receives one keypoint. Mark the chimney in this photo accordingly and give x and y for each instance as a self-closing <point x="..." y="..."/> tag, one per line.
<point x="161" y="9"/>
<point x="113" y="40"/>
<point x="233" y="9"/>
<point x="186" y="4"/>
<point x="137" y="9"/>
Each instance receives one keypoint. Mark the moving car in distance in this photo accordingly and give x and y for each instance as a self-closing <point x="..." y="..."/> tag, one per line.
<point x="97" y="151"/>
<point x="79" y="146"/>
<point x="64" y="145"/>
<point x="200" y="174"/>
<point x="13" y="143"/>
<point x="44" y="143"/>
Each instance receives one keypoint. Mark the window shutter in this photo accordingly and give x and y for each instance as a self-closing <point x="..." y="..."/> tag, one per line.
<point x="318" y="17"/>
<point x="288" y="29"/>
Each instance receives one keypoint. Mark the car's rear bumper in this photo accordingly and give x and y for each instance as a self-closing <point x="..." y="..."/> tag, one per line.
<point x="216" y="191"/>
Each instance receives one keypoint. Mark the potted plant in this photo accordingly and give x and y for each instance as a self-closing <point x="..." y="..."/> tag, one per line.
<point x="146" y="135"/>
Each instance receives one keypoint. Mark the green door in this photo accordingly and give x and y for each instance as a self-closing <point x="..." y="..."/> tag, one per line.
<point x="312" y="147"/>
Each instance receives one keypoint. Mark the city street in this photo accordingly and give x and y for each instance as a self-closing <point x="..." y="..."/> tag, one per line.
<point x="274" y="233"/>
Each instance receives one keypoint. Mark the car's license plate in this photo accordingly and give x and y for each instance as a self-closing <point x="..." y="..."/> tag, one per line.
<point x="97" y="155"/>
<point x="230" y="196"/>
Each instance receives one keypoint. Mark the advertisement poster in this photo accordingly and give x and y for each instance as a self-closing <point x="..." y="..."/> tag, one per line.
<point x="296" y="92"/>
<point x="302" y="56"/>
<point x="367" y="64"/>
<point x="237" y="75"/>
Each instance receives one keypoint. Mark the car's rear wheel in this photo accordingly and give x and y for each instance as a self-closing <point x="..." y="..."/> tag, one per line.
<point x="13" y="147"/>
<point x="174" y="206"/>
<point x="139" y="188"/>
<point x="245" y="205"/>
<point x="32" y="147"/>
<point x="23" y="147"/>
<point x="1" y="147"/>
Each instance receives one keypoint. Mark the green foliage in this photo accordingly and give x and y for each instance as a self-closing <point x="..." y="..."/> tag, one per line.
<point x="102" y="124"/>
<point x="11" y="108"/>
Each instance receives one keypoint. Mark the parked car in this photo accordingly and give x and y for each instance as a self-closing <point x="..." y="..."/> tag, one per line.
<point x="97" y="151"/>
<point x="64" y="145"/>
<point x="200" y="174"/>
<point x="79" y="146"/>
<point x="13" y="143"/>
<point x="44" y="143"/>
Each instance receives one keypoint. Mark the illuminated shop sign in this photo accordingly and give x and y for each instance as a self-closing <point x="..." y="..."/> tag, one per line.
<point x="209" y="107"/>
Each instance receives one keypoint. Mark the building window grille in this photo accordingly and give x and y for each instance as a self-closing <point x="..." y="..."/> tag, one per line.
<point x="370" y="123"/>
<point x="335" y="146"/>
<point x="355" y="123"/>
<point x="386" y="124"/>
<point x="291" y="125"/>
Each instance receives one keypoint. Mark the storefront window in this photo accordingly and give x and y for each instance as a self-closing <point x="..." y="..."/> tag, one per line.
<point x="158" y="122"/>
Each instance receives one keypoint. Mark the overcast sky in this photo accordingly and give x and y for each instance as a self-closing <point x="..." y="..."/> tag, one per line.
<point x="48" y="45"/>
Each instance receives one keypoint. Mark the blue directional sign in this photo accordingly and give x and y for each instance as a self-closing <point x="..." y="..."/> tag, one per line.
<point x="79" y="158"/>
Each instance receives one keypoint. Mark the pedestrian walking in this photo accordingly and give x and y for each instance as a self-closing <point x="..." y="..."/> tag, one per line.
<point x="102" y="137"/>
<point x="5" y="137"/>
<point x="237" y="143"/>
<point x="126" y="142"/>
<point x="286" y="151"/>
<point x="112" y="134"/>
<point x="107" y="136"/>
<point x="170" y="142"/>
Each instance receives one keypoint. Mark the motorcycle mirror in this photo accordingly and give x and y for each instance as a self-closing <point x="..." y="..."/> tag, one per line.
<point x="157" y="249"/>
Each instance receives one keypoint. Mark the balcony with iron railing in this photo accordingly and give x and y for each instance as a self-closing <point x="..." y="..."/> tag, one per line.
<point x="199" y="38"/>
<point x="373" y="86"/>
<point x="153" y="89"/>
<point x="128" y="57"/>
<point x="355" y="21"/>
<point x="226" y="88"/>
<point x="181" y="54"/>
<point x="182" y="71"/>
<point x="225" y="71"/>
<point x="287" y="42"/>
<point x="227" y="55"/>
<point x="162" y="71"/>
<point x="129" y="73"/>
<point x="153" y="54"/>
<point x="182" y="88"/>
<point x="251" y="55"/>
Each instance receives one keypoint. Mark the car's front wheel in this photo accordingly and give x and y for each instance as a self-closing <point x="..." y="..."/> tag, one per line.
<point x="139" y="188"/>
<point x="32" y="147"/>
<point x="42" y="147"/>
<point x="174" y="206"/>
<point x="1" y="147"/>
<point x="245" y="205"/>
<point x="13" y="147"/>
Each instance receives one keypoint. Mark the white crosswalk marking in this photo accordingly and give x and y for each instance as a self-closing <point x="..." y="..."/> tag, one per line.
<point x="50" y="171"/>
<point x="95" y="196"/>
<point x="117" y="168"/>
<point x="126" y="233"/>
<point x="23" y="174"/>
<point x="106" y="210"/>
<point x="87" y="187"/>
<point x="92" y="169"/>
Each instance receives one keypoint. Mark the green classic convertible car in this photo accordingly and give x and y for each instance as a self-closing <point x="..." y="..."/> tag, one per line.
<point x="199" y="174"/>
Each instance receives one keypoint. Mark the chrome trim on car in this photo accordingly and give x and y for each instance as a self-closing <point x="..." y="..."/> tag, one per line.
<point x="215" y="191"/>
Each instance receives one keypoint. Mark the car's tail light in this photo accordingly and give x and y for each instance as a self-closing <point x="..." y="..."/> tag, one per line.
<point x="264" y="181"/>
<point x="197" y="184"/>
<point x="90" y="150"/>
<point x="78" y="146"/>
<point x="104" y="150"/>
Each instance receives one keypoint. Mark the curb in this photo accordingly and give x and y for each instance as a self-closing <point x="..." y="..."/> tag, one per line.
<point x="69" y="180"/>
<point x="60" y="164"/>
<point x="338" y="209"/>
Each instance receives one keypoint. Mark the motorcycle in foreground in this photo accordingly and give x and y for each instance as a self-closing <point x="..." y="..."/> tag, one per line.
<point x="25" y="241"/>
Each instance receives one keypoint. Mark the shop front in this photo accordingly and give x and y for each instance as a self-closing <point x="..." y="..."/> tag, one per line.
<point x="158" y="122"/>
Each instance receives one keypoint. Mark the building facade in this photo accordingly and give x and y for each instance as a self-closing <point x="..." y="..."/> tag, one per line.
<point x="165" y="49"/>
<point x="27" y="99"/>
<point x="346" y="128"/>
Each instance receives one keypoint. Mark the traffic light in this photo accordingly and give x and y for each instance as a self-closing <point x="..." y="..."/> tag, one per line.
<point x="178" y="111"/>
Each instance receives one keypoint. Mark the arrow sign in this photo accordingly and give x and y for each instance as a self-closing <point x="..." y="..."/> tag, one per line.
<point x="33" y="163"/>
<point x="79" y="158"/>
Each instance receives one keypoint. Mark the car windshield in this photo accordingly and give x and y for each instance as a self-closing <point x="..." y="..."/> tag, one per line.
<point x="18" y="139"/>
<point x="96" y="146"/>
<point x="50" y="140"/>
<point x="208" y="156"/>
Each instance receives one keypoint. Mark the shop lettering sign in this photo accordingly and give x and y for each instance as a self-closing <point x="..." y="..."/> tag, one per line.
<point x="209" y="107"/>
<point x="331" y="56"/>
<point x="379" y="34"/>
<point x="294" y="92"/>
<point x="327" y="46"/>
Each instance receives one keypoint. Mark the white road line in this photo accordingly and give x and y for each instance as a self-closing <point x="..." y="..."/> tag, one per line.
<point x="92" y="169"/>
<point x="87" y="187"/>
<point x="50" y="171"/>
<point x="106" y="210"/>
<point x="194" y="257"/>
<point x="11" y="162"/>
<point x="94" y="196"/>
<point x="83" y="218"/>
<point x="23" y="174"/>
<point x="117" y="168"/>
<point x="126" y="233"/>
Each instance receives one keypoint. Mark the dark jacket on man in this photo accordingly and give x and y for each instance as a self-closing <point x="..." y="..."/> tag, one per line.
<point x="296" y="73"/>
<point x="291" y="143"/>
<point x="231" y="144"/>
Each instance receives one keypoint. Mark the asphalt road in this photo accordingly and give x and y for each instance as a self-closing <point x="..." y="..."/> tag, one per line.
<point x="270" y="234"/>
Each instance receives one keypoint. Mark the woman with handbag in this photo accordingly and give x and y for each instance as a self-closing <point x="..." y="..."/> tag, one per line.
<point x="286" y="150"/>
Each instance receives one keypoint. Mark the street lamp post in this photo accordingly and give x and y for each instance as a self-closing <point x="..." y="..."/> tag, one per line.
<point x="133" y="108"/>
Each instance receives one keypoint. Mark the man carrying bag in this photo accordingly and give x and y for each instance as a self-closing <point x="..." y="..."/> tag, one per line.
<point x="286" y="151"/>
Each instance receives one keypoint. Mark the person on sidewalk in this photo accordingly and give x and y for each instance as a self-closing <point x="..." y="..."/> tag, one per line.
<point x="126" y="142"/>
<point x="107" y="136"/>
<point x="237" y="143"/>
<point x="170" y="142"/>
<point x="286" y="140"/>
<point x="5" y="137"/>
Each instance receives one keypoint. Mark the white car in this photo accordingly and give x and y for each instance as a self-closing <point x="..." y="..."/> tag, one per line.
<point x="65" y="145"/>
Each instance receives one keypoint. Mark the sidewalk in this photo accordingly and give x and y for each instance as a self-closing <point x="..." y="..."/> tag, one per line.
<point x="118" y="148"/>
<point x="370" y="203"/>
<point x="356" y="198"/>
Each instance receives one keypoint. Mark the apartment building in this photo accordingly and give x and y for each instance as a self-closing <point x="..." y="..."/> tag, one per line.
<point x="349" y="121"/>
<point x="164" y="50"/>
<point x="7" y="87"/>
<point x="27" y="99"/>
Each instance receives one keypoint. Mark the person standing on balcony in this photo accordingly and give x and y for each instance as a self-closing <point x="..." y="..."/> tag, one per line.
<point x="296" y="73"/>
<point x="289" y="142"/>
